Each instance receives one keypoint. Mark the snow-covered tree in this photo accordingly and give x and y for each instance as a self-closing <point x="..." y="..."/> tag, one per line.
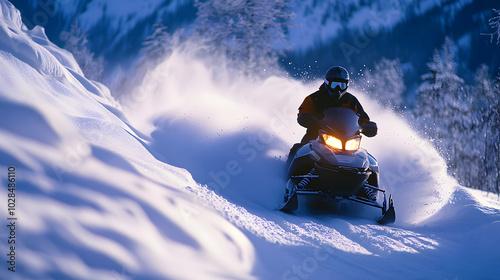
<point x="481" y="167"/>
<point x="76" y="42"/>
<point x="243" y="30"/>
<point x="385" y="83"/>
<point x="443" y="107"/>
<point x="490" y="109"/>
<point x="155" y="49"/>
<point x="463" y="120"/>
<point x="439" y="91"/>
<point x="159" y="44"/>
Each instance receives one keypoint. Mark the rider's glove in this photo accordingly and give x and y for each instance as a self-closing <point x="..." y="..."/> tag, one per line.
<point x="369" y="129"/>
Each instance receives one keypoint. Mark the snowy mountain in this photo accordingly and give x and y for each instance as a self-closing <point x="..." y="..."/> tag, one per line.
<point x="322" y="33"/>
<point x="359" y="33"/>
<point x="167" y="186"/>
<point x="115" y="28"/>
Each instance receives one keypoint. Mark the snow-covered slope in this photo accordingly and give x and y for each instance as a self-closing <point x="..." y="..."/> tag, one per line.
<point x="91" y="201"/>
<point x="187" y="189"/>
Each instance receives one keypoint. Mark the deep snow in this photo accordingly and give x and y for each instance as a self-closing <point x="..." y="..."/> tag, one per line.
<point x="182" y="179"/>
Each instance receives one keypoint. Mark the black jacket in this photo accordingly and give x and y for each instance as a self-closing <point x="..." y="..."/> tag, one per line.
<point x="313" y="105"/>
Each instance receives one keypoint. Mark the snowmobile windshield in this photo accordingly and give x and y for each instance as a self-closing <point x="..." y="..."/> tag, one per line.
<point x="340" y="121"/>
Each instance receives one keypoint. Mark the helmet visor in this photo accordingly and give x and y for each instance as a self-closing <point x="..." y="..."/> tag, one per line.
<point x="333" y="85"/>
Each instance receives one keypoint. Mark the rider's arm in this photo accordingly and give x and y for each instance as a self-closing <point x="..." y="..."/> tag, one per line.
<point x="307" y="106"/>
<point x="307" y="120"/>
<point x="363" y="116"/>
<point x="369" y="128"/>
<point x="306" y="116"/>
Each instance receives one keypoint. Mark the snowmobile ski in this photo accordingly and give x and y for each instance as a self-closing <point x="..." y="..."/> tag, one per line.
<point x="389" y="214"/>
<point x="291" y="202"/>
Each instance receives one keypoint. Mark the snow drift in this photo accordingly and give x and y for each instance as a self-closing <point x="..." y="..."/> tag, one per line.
<point x="92" y="201"/>
<point x="187" y="189"/>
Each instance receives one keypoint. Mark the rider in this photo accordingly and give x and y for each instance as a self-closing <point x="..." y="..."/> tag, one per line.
<point x="332" y="93"/>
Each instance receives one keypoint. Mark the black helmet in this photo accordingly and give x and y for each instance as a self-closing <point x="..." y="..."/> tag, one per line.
<point x="336" y="81"/>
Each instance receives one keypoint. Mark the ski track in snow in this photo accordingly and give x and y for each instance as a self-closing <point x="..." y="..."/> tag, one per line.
<point x="185" y="182"/>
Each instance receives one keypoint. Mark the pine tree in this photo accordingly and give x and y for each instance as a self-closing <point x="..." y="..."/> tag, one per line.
<point x="443" y="108"/>
<point x="485" y="168"/>
<point x="491" y="122"/>
<point x="243" y="30"/>
<point x="464" y="121"/>
<point x="76" y="42"/>
<point x="385" y="83"/>
<point x="158" y="45"/>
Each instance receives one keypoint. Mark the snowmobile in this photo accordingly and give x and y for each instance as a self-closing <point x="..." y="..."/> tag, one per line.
<point x="334" y="167"/>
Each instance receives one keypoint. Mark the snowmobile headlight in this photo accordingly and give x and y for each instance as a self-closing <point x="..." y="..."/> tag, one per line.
<point x="353" y="144"/>
<point x="332" y="142"/>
